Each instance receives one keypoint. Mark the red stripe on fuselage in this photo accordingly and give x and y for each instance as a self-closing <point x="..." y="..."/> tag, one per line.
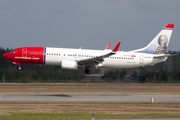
<point x="29" y="55"/>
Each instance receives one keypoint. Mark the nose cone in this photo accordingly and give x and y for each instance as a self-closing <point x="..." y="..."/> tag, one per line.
<point x="6" y="55"/>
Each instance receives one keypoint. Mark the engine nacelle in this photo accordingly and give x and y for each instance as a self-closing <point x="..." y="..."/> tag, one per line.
<point x="69" y="64"/>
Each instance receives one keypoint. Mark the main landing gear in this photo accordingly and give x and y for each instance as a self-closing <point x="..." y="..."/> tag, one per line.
<point x="87" y="71"/>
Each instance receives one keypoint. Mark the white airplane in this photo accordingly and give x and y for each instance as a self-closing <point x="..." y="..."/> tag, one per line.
<point x="153" y="53"/>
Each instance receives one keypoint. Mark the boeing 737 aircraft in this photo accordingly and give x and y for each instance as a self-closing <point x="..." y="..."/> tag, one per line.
<point x="153" y="53"/>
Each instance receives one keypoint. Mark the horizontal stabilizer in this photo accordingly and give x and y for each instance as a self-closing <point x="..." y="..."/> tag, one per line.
<point x="165" y="55"/>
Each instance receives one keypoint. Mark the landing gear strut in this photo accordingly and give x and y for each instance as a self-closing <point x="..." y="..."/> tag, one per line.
<point x="19" y="65"/>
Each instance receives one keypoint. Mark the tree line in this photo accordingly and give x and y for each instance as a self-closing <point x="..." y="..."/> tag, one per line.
<point x="166" y="72"/>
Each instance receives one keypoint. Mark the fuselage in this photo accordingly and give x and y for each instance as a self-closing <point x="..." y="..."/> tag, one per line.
<point x="54" y="56"/>
<point x="153" y="53"/>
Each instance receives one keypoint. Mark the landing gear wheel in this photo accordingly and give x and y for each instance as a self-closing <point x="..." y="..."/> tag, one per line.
<point x="19" y="67"/>
<point x="87" y="71"/>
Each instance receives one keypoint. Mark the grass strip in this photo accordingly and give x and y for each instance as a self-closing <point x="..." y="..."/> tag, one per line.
<point x="77" y="116"/>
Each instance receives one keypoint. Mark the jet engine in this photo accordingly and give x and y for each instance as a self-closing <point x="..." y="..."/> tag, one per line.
<point x="69" y="64"/>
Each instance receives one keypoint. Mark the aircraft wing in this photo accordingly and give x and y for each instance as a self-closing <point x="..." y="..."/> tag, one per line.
<point x="165" y="55"/>
<point x="99" y="59"/>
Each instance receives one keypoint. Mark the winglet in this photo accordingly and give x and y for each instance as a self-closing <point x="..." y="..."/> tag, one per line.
<point x="107" y="48"/>
<point x="117" y="47"/>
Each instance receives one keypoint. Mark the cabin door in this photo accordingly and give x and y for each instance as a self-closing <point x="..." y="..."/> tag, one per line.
<point x="24" y="52"/>
<point x="141" y="59"/>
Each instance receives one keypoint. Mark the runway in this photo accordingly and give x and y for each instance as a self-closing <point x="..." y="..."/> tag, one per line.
<point x="88" y="98"/>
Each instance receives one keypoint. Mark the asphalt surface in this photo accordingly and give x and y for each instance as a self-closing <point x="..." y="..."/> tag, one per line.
<point x="83" y="98"/>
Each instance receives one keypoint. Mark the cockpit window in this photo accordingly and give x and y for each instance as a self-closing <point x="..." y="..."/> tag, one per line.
<point x="13" y="51"/>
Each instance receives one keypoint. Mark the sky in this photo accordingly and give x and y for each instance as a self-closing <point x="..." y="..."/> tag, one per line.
<point x="89" y="24"/>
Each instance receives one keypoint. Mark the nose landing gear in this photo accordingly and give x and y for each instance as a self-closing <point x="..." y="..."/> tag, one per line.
<point x="19" y="67"/>
<point x="15" y="63"/>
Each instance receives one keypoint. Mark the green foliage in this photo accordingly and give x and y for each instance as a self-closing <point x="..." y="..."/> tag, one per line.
<point x="82" y="115"/>
<point x="126" y="80"/>
<point x="123" y="73"/>
<point x="114" y="75"/>
<point x="157" y="77"/>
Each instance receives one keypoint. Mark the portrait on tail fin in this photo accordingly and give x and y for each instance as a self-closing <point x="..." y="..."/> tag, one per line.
<point x="162" y="40"/>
